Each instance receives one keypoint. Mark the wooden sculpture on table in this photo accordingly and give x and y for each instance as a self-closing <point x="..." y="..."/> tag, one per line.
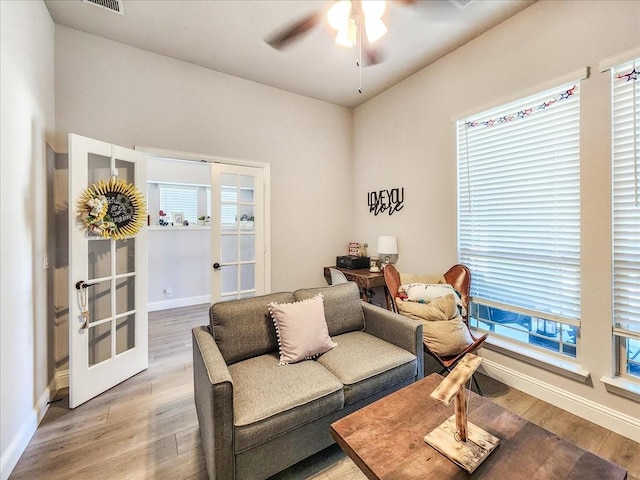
<point x="464" y="443"/>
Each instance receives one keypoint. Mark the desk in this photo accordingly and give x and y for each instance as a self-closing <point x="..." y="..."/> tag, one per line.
<point x="386" y="440"/>
<point x="364" y="278"/>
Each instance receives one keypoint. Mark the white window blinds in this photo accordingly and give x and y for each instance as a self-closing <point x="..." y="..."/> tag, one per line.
<point x="625" y="119"/>
<point x="519" y="203"/>
<point x="180" y="199"/>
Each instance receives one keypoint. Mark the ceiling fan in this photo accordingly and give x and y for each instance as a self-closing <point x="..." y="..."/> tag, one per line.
<point x="349" y="18"/>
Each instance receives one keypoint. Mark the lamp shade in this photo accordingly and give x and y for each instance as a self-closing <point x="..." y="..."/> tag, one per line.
<point x="387" y="245"/>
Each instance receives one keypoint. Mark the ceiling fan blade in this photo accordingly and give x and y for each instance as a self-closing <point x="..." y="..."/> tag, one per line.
<point x="281" y="39"/>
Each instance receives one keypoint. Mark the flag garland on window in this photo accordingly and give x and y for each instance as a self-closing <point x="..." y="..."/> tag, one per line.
<point x="525" y="112"/>
<point x="632" y="75"/>
<point x="113" y="209"/>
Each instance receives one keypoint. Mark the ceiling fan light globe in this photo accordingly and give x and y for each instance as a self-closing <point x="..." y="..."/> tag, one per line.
<point x="375" y="28"/>
<point x="352" y="31"/>
<point x="338" y="14"/>
<point x="342" y="38"/>
<point x="373" y="8"/>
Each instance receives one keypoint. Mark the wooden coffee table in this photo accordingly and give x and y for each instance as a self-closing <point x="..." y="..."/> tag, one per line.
<point x="386" y="441"/>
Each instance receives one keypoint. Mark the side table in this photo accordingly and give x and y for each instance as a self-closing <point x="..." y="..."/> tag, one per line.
<point x="365" y="280"/>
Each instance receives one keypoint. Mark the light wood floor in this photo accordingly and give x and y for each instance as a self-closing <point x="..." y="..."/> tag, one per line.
<point x="146" y="427"/>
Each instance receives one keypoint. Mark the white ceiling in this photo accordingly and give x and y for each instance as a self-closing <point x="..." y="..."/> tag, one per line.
<point x="228" y="36"/>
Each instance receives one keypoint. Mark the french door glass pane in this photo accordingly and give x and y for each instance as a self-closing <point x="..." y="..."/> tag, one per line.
<point x="247" y="277"/>
<point x="246" y="189"/>
<point x="99" y="343"/>
<point x="99" y="301"/>
<point x="99" y="168"/>
<point x="99" y="258"/>
<point x="125" y="333"/>
<point x="125" y="295"/>
<point x="126" y="170"/>
<point x="125" y="256"/>
<point x="229" y="279"/>
<point x="247" y="248"/>
<point x="229" y="247"/>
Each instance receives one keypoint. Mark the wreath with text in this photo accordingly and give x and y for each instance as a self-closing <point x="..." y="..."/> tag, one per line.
<point x="113" y="209"/>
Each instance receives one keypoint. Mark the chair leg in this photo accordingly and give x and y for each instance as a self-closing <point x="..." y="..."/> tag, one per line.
<point x="475" y="382"/>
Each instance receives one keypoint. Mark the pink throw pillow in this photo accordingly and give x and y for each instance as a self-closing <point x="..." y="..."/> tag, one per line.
<point x="301" y="328"/>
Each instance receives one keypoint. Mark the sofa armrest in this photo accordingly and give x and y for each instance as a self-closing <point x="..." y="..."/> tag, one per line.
<point x="213" y="393"/>
<point x="396" y="329"/>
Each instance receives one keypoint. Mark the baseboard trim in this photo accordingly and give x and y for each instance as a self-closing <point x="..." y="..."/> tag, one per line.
<point x="20" y="442"/>
<point x="178" y="302"/>
<point x="61" y="379"/>
<point x="606" y="417"/>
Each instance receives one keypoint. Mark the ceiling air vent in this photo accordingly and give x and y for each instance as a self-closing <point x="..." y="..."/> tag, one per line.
<point x="458" y="3"/>
<point x="114" y="6"/>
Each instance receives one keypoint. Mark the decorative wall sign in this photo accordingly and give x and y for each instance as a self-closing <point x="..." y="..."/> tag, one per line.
<point x="114" y="209"/>
<point x="389" y="201"/>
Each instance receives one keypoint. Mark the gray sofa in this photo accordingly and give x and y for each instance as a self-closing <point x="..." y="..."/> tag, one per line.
<point x="257" y="417"/>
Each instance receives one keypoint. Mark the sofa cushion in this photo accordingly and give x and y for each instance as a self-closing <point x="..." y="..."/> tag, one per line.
<point x="366" y="364"/>
<point x="342" y="306"/>
<point x="269" y="400"/>
<point x="243" y="328"/>
<point x="301" y="329"/>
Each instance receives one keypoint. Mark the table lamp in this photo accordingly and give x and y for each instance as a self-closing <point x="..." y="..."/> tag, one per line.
<point x="387" y="246"/>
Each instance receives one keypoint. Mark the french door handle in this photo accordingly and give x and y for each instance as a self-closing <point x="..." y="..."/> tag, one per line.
<point x="216" y="266"/>
<point x="82" y="284"/>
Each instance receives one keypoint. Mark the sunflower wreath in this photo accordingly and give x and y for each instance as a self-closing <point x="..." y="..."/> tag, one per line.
<point x="113" y="209"/>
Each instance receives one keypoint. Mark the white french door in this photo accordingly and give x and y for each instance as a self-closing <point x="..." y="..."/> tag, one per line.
<point x="238" y="232"/>
<point x="107" y="279"/>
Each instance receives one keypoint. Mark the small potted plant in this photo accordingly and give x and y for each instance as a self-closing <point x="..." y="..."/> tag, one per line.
<point x="201" y="219"/>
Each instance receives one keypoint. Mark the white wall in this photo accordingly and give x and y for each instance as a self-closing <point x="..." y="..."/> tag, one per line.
<point x="185" y="271"/>
<point x="406" y="137"/>
<point x="28" y="122"/>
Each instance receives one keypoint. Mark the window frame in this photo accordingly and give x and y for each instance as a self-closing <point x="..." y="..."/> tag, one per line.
<point x="521" y="346"/>
<point x="625" y="83"/>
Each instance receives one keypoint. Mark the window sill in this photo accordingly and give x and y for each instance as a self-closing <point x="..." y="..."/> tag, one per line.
<point x="623" y="387"/>
<point x="537" y="358"/>
<point x="157" y="228"/>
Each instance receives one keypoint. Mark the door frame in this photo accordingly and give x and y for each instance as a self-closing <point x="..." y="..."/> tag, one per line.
<point x="266" y="170"/>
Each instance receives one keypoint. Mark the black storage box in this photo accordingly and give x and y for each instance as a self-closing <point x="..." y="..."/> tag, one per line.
<point x="352" y="262"/>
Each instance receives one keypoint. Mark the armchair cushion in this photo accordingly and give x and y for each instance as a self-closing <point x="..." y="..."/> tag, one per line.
<point x="301" y="329"/>
<point x="444" y="308"/>
<point x="444" y="331"/>
<point x="447" y="338"/>
<point x="419" y="278"/>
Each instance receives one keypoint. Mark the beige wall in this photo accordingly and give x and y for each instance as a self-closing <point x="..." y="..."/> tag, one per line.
<point x="405" y="137"/>
<point x="27" y="123"/>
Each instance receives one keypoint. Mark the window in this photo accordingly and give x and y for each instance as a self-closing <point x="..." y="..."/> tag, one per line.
<point x="519" y="218"/>
<point x="625" y="119"/>
<point x="180" y="199"/>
